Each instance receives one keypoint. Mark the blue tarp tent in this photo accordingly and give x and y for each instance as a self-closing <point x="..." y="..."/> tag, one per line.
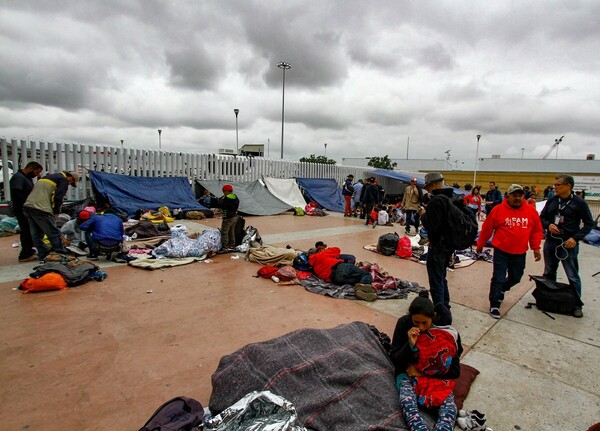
<point x="406" y="177"/>
<point x="324" y="191"/>
<point x="129" y="194"/>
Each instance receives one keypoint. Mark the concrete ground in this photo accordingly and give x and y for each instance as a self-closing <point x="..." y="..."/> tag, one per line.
<point x="103" y="356"/>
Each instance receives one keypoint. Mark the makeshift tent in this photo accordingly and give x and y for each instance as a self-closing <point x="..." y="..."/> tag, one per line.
<point x="286" y="190"/>
<point x="324" y="191"/>
<point x="254" y="197"/>
<point x="129" y="194"/>
<point x="405" y="179"/>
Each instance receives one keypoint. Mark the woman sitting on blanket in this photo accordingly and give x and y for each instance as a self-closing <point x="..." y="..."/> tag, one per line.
<point x="425" y="352"/>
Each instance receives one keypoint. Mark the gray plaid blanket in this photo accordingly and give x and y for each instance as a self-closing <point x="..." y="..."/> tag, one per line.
<point x="338" y="379"/>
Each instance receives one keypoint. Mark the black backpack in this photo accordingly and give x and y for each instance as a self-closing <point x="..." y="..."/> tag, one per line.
<point x="388" y="243"/>
<point x="301" y="262"/>
<point x="178" y="414"/>
<point x="462" y="226"/>
<point x="554" y="297"/>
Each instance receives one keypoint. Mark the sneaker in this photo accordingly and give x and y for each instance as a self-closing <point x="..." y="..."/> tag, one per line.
<point x="471" y="423"/>
<point x="365" y="288"/>
<point x="578" y="312"/>
<point x="366" y="296"/>
<point x="495" y="312"/>
<point x="29" y="259"/>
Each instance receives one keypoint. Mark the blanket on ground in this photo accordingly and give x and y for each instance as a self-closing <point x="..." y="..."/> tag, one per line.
<point x="338" y="379"/>
<point x="146" y="262"/>
<point x="145" y="243"/>
<point x="315" y="285"/>
<point x="75" y="272"/>
<point x="269" y="255"/>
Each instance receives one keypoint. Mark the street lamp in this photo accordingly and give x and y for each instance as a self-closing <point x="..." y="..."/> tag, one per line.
<point x="522" y="151"/>
<point x="159" y="143"/>
<point x="121" y="144"/>
<point x="236" y="112"/>
<point x="325" y="149"/>
<point x="476" y="161"/>
<point x="284" y="66"/>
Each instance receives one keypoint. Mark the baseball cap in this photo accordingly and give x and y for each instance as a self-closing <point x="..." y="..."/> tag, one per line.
<point x="515" y="188"/>
<point x="83" y="215"/>
<point x="75" y="176"/>
<point x="413" y="180"/>
<point x="433" y="177"/>
<point x="228" y="187"/>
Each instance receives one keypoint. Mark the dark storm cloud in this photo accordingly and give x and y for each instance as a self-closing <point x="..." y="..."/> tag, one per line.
<point x="192" y="67"/>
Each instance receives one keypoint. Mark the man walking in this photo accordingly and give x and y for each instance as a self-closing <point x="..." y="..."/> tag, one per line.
<point x="435" y="222"/>
<point x="493" y="197"/>
<point x="515" y="225"/>
<point x="567" y="219"/>
<point x="411" y="201"/>
<point x="21" y="185"/>
<point x="41" y="207"/>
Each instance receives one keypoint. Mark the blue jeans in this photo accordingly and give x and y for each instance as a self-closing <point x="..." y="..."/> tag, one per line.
<point x="570" y="263"/>
<point x="437" y="264"/>
<point x="346" y="273"/>
<point x="94" y="245"/>
<point x="508" y="270"/>
<point x="42" y="223"/>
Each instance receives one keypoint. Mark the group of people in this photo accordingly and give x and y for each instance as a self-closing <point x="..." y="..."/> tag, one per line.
<point x="425" y="349"/>
<point x="37" y="207"/>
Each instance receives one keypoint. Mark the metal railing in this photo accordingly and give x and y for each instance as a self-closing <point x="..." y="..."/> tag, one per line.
<point x="55" y="157"/>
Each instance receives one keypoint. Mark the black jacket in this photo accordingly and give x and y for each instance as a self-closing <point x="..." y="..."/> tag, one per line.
<point x="20" y="187"/>
<point x="577" y="217"/>
<point x="229" y="204"/>
<point x="435" y="220"/>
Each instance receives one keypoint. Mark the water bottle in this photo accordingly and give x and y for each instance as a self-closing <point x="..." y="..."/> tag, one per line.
<point x="275" y="278"/>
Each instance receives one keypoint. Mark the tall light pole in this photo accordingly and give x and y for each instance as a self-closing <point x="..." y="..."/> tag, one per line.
<point x="325" y="149"/>
<point x="284" y="66"/>
<point x="121" y="144"/>
<point x="522" y="151"/>
<point x="159" y="143"/>
<point x="236" y="112"/>
<point x="476" y="161"/>
<point x="269" y="147"/>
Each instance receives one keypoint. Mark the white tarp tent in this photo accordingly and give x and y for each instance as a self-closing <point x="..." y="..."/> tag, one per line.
<point x="286" y="190"/>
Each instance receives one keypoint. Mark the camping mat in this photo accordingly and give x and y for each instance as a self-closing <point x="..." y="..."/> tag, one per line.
<point x="315" y="285"/>
<point x="167" y="262"/>
<point x="338" y="379"/>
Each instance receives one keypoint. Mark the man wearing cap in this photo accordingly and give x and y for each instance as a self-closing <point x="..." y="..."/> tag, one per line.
<point x="103" y="231"/>
<point x="411" y="201"/>
<point x="21" y="185"/>
<point x="435" y="222"/>
<point x="229" y="204"/>
<point x="43" y="205"/>
<point x="515" y="226"/>
<point x="347" y="192"/>
<point x="567" y="219"/>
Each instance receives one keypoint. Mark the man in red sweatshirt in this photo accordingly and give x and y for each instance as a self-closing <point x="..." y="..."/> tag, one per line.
<point x="516" y="226"/>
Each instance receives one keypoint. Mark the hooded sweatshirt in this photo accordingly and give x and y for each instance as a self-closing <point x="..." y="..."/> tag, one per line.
<point x="324" y="261"/>
<point x="513" y="228"/>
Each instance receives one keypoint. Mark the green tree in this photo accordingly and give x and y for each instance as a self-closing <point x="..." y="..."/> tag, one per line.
<point x="382" y="163"/>
<point x="318" y="159"/>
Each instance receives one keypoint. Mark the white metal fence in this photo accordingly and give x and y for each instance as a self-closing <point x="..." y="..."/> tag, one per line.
<point x="55" y="157"/>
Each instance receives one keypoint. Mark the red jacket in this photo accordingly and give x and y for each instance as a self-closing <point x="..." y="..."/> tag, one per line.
<point x="513" y="228"/>
<point x="323" y="261"/>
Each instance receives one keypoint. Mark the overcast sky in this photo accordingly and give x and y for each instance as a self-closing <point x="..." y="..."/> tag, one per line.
<point x="365" y="76"/>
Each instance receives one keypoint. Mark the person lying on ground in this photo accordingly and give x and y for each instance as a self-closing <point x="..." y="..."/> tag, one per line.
<point x="425" y="353"/>
<point x="330" y="267"/>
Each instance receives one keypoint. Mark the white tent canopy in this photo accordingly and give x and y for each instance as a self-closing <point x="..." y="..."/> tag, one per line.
<point x="285" y="190"/>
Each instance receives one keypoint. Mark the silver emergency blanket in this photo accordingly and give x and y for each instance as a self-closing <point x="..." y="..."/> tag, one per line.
<point x="257" y="411"/>
<point x="180" y="245"/>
